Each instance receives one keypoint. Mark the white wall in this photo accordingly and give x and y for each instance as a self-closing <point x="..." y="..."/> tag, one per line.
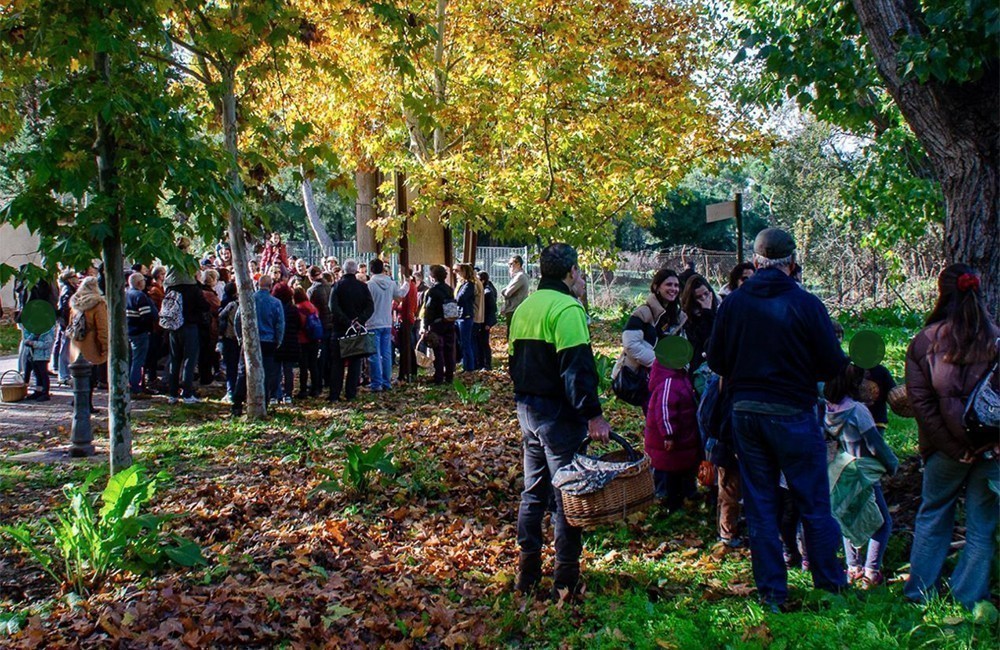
<point x="17" y="247"/>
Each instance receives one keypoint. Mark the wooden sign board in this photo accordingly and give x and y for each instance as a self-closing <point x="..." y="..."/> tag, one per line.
<point x="720" y="211"/>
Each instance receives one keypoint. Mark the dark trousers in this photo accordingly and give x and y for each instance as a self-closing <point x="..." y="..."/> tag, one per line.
<point x="183" y="353"/>
<point x="323" y="376"/>
<point x="208" y="360"/>
<point x="770" y="444"/>
<point x="337" y="365"/>
<point x="674" y="487"/>
<point x="41" y="370"/>
<point x="484" y="353"/>
<point x="549" y="439"/>
<point x="444" y="352"/>
<point x="231" y="354"/>
<point x="309" y="380"/>
<point x="270" y="376"/>
<point x="157" y="345"/>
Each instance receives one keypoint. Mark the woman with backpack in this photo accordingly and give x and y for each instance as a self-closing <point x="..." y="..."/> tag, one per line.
<point x="309" y="338"/>
<point x="440" y="331"/>
<point x="945" y="363"/>
<point x="88" y="327"/>
<point x="659" y="316"/>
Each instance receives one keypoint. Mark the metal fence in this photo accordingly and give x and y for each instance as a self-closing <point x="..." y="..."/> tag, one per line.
<point x="492" y="259"/>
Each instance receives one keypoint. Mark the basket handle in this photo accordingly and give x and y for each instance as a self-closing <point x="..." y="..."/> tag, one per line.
<point x="19" y="375"/>
<point x="629" y="450"/>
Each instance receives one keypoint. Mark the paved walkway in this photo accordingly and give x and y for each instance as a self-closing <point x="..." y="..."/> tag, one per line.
<point x="30" y="424"/>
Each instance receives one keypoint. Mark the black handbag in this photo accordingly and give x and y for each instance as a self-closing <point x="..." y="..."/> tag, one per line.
<point x="356" y="342"/>
<point x="982" y="412"/>
<point x="632" y="386"/>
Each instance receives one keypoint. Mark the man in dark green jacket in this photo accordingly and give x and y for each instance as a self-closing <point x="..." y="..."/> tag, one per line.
<point x="555" y="387"/>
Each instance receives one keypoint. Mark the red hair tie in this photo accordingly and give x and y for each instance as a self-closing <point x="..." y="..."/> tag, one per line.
<point x="968" y="281"/>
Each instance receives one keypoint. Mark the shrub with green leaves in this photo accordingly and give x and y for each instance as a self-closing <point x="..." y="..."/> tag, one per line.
<point x="474" y="394"/>
<point x="360" y="468"/>
<point x="90" y="543"/>
<point x="605" y="365"/>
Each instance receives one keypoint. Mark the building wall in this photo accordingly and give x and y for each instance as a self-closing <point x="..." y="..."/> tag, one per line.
<point x="17" y="247"/>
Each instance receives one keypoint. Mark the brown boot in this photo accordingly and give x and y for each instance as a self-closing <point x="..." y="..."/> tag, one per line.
<point x="566" y="581"/>
<point x="529" y="572"/>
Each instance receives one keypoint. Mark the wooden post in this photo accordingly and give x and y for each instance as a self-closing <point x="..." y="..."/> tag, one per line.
<point x="469" y="244"/>
<point x="739" y="227"/>
<point x="406" y="362"/>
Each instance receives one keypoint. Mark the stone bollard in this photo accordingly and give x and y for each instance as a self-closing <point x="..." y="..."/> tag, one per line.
<point x="82" y="441"/>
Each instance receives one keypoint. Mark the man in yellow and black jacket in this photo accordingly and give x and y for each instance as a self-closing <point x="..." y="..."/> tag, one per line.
<point x="555" y="387"/>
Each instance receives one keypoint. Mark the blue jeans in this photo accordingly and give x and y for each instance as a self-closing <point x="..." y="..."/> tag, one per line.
<point x="877" y="544"/>
<point x="183" y="352"/>
<point x="944" y="481"/>
<point x="467" y="344"/>
<point x="231" y="354"/>
<point x="61" y="355"/>
<point x="793" y="444"/>
<point x="139" y="345"/>
<point x="550" y="436"/>
<point x="381" y="361"/>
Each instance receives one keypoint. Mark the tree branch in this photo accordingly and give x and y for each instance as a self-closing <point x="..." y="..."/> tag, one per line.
<point x="176" y="64"/>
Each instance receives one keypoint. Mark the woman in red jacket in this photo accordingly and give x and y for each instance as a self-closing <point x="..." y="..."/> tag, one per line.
<point x="944" y="363"/>
<point x="310" y="332"/>
<point x="671" y="433"/>
<point x="274" y="253"/>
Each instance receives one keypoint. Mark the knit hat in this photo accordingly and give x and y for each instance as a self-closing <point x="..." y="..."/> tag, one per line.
<point x="774" y="244"/>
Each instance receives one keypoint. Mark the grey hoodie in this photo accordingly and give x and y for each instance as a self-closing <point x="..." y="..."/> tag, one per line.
<point x="853" y="426"/>
<point x="384" y="290"/>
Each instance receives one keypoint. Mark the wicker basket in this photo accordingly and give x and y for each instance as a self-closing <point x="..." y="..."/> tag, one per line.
<point x="899" y="402"/>
<point x="12" y="391"/>
<point x="628" y="493"/>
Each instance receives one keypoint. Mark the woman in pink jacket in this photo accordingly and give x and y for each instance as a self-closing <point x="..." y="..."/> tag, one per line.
<point x="671" y="434"/>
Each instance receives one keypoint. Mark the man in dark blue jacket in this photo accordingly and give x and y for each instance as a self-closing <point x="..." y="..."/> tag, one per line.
<point x="350" y="303"/>
<point x="772" y="342"/>
<point x="555" y="387"/>
<point x="140" y="317"/>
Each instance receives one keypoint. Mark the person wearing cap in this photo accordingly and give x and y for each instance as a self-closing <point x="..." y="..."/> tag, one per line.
<point x="773" y="342"/>
<point x="556" y="390"/>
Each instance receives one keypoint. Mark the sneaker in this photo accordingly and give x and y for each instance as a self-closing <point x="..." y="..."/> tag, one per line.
<point x="191" y="400"/>
<point x="872" y="579"/>
<point x="227" y="398"/>
<point x="854" y="574"/>
<point x="287" y="399"/>
<point x="735" y="542"/>
<point x="171" y="400"/>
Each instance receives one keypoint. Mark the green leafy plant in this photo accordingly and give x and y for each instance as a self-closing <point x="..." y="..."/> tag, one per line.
<point x="421" y="476"/>
<point x="11" y="623"/>
<point x="91" y="543"/>
<point x="474" y="394"/>
<point x="604" y="365"/>
<point x="360" y="466"/>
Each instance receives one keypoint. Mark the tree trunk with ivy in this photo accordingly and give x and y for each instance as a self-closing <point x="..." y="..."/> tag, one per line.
<point x="958" y="125"/>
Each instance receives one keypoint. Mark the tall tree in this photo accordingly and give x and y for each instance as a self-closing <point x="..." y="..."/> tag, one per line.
<point x="97" y="161"/>
<point x="862" y="63"/>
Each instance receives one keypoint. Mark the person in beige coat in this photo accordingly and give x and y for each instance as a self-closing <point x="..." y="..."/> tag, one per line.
<point x="89" y="327"/>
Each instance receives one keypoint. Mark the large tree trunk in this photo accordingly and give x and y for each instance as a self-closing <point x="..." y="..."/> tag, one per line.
<point x="119" y="429"/>
<point x="315" y="223"/>
<point x="366" y="183"/>
<point x="256" y="405"/>
<point x="959" y="127"/>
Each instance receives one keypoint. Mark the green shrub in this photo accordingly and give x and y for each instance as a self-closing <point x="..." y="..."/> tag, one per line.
<point x="360" y="466"/>
<point x="90" y="544"/>
<point x="605" y="364"/>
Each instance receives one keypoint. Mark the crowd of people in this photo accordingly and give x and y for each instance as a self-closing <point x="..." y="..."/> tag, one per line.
<point x="772" y="415"/>
<point x="768" y="412"/>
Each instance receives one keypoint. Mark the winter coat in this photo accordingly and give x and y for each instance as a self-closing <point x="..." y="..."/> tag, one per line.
<point x="384" y="290"/>
<point x="851" y="424"/>
<point x="350" y="301"/>
<point x="479" y="307"/>
<point x="938" y="391"/>
<point x="698" y="330"/>
<point x="489" y="304"/>
<point x="40" y="345"/>
<point x="305" y="309"/>
<point x="227" y="320"/>
<point x="289" y="349"/>
<point x="273" y="255"/>
<point x="319" y="296"/>
<point x="672" y="415"/>
<point x="140" y="313"/>
<point x="465" y="296"/>
<point x="773" y="342"/>
<point x="211" y="316"/>
<point x="647" y="325"/>
<point x="66" y="292"/>
<point x="515" y="292"/>
<point x="434" y="300"/>
<point x="94" y="346"/>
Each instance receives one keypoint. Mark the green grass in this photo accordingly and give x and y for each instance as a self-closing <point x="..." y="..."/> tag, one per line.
<point x="10" y="338"/>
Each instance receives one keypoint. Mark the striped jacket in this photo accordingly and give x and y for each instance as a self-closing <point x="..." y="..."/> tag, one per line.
<point x="140" y="312"/>
<point x="672" y="415"/>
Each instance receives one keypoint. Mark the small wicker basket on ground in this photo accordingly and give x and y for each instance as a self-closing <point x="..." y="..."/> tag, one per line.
<point x="628" y="493"/>
<point x="899" y="402"/>
<point x="12" y="390"/>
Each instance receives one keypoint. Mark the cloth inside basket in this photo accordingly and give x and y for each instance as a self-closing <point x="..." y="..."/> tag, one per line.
<point x="586" y="475"/>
